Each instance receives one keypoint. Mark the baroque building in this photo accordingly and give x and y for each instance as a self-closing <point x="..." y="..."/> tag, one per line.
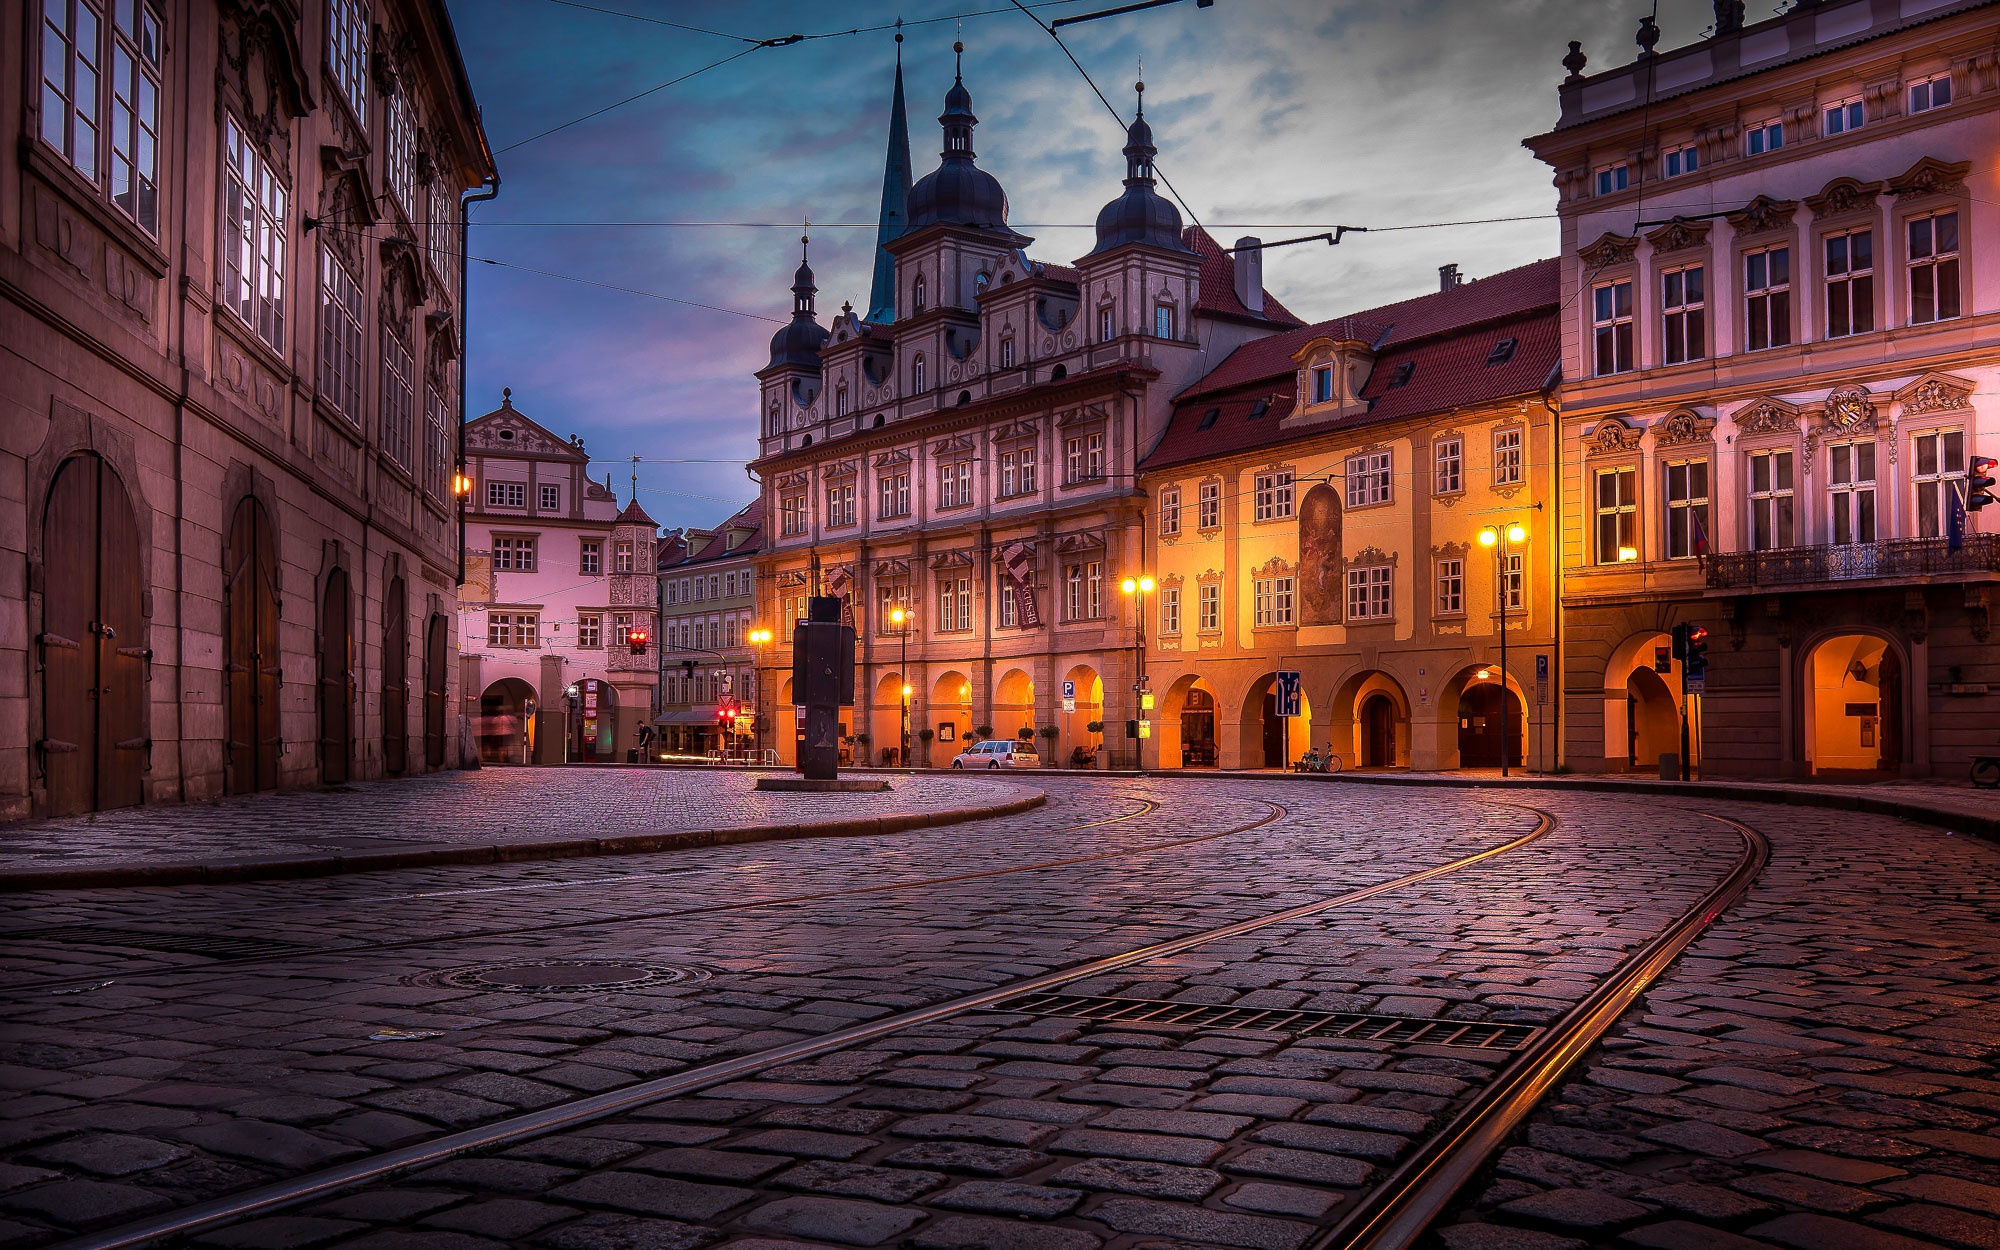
<point x="964" y="456"/>
<point x="231" y="298"/>
<point x="709" y="620"/>
<point x="1781" y="298"/>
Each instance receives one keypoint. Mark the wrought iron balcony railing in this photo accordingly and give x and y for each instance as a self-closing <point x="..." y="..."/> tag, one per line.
<point x="1879" y="561"/>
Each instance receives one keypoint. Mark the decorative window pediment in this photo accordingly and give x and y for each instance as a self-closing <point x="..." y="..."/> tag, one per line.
<point x="1931" y="176"/>
<point x="1016" y="431"/>
<point x="1371" y="557"/>
<point x="1079" y="542"/>
<point x="1451" y="550"/>
<point x="952" y="560"/>
<point x="1331" y="372"/>
<point x="1684" y="427"/>
<point x="1610" y="249"/>
<point x="1764" y="215"/>
<point x="1842" y="196"/>
<point x="949" y="446"/>
<point x="842" y="468"/>
<point x="1935" y="392"/>
<point x="1612" y="435"/>
<point x="1767" y="416"/>
<point x="1172" y="579"/>
<point x="793" y="481"/>
<point x="1276" y="566"/>
<point x="1679" y="235"/>
<point x="1086" y="415"/>
<point x="892" y="569"/>
<point x="889" y="459"/>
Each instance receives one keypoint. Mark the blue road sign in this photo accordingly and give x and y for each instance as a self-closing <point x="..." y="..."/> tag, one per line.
<point x="1290" y="692"/>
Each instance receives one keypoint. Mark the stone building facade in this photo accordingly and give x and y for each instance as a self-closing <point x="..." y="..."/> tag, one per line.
<point x="231" y="309"/>
<point x="1782" y="296"/>
<point x="710" y="612"/>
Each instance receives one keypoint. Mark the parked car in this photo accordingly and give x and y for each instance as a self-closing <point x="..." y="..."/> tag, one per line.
<point x="999" y="753"/>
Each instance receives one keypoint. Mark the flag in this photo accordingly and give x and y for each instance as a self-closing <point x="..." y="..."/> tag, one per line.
<point x="1954" y="521"/>
<point x="1698" y="534"/>
<point x="841" y="584"/>
<point x="1018" y="558"/>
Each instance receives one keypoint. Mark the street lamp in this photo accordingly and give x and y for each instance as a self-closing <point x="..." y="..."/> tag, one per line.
<point x="759" y="638"/>
<point x="900" y="616"/>
<point x="1140" y="586"/>
<point x="1501" y="540"/>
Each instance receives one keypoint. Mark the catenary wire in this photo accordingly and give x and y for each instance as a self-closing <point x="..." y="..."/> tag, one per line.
<point x="543" y="134"/>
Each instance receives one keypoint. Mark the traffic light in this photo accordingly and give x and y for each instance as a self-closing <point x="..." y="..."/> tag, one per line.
<point x="1663" y="659"/>
<point x="1696" y="658"/>
<point x="1979" y="476"/>
<point x="638" y="638"/>
<point x="1680" y="648"/>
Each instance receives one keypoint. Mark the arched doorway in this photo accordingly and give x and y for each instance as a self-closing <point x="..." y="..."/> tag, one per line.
<point x="1489" y="722"/>
<point x="949" y="718"/>
<point x="596" y="734"/>
<point x="94" y="745"/>
<point x="1270" y="740"/>
<point x="1079" y="742"/>
<point x="1013" y="704"/>
<point x="336" y="678"/>
<point x="1642" y="707"/>
<point x="1186" y="725"/>
<point x="507" y="722"/>
<point x="251" y="662"/>
<point x="885" y="734"/>
<point x="396" y="677"/>
<point x="436" y="674"/>
<point x="1378" y="731"/>
<point x="1854" y="706"/>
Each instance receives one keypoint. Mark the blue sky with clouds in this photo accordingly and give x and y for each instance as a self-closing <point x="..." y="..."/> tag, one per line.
<point x="1273" y="117"/>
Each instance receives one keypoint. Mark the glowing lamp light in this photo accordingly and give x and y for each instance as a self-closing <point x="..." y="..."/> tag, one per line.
<point x="759" y="637"/>
<point x="908" y="691"/>
<point x="898" y="616"/>
<point x="1487" y="537"/>
<point x="1517" y="533"/>
<point x="1627" y="554"/>
<point x="1483" y="674"/>
<point x="461" y="484"/>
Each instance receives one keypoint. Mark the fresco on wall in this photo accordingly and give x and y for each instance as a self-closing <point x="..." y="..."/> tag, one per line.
<point x="1319" y="557"/>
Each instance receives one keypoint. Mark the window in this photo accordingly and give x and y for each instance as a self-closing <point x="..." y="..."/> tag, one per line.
<point x="1367" y="479"/>
<point x="621" y="628"/>
<point x="1850" y="485"/>
<point x="551" y="498"/>
<point x="1007" y="353"/>
<point x="1502" y="352"/>
<point x="1449" y="454"/>
<point x="840" y="400"/>
<point x="621" y="556"/>
<point x="1083" y="458"/>
<point x="1107" y="324"/>
<point x="894" y="492"/>
<point x="1611" y="324"/>
<point x="74" y="90"/>
<point x="1767" y="298"/>
<point x="1617" y="515"/>
<point x="590" y="561"/>
<point x="917" y="376"/>
<point x="1850" y="283"/>
<point x="1170" y="609"/>
<point x="1931" y="93"/>
<point x="1210" y="608"/>
<point x="589" y="630"/>
<point x="1771" y="520"/>
<point x="729" y="584"/>
<point x="1687" y="509"/>
<point x="1322" y="385"/>
<point x="1271" y="600"/>
<point x="700" y="591"/>
<point x="1682" y="160"/>
<point x="513" y="629"/>
<point x="506" y="494"/>
<point x="954" y="603"/>
<point x="339" y="337"/>
<point x="514" y="554"/>
<point x="1939" y="479"/>
<point x="72" y="63"/>
<point x="917" y="292"/>
<point x="1402" y="374"/>
<point x="1684" y="315"/>
<point x="1613" y="178"/>
<point x="1512" y="592"/>
<point x="1170" y="511"/>
<point x="1764" y="137"/>
<point x="792" y="514"/>
<point x="1368" y="593"/>
<point x="1507" y="466"/>
<point x="1842" y="117"/>
<point x="1083" y="591"/>
<point x="437" y="442"/>
<point x="954" y="483"/>
<point x="1273" y="498"/>
<point x="1933" y="268"/>
<point x="253" y="233"/>
<point x="443" y="230"/>
<point x="1208" y="505"/>
<point x="401" y="158"/>
<point x="839" y="504"/>
<point x="1163" y="321"/>
<point x="1017" y="472"/>
<point x="347" y="52"/>
<point x="1451" y="587"/>
<point x="398" y="399"/>
<point x="1010" y="604"/>
<point x="686" y="591"/>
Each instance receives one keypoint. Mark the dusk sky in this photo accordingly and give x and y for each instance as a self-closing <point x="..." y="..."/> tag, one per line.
<point x="1274" y="117"/>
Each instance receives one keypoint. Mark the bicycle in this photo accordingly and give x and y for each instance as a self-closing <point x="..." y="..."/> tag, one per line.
<point x="1316" y="761"/>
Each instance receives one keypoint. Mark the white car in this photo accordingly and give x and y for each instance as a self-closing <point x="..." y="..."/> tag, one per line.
<point x="998" y="753"/>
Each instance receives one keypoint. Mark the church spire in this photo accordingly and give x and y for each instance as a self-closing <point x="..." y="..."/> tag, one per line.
<point x="895" y="201"/>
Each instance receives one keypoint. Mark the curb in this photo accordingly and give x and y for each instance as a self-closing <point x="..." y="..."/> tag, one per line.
<point x="296" y="867"/>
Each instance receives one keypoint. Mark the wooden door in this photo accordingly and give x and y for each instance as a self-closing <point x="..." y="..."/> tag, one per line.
<point x="395" y="678"/>
<point x="336" y="679"/>
<point x="1378" y="729"/>
<point x="1889" y="708"/>
<point x="434" y="689"/>
<point x="1274" y="733"/>
<point x="252" y="666"/>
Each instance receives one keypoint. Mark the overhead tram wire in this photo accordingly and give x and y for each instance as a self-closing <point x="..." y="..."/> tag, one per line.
<point x="543" y="134"/>
<point x="1024" y="225"/>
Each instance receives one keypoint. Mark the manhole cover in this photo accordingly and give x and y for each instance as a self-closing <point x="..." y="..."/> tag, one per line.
<point x="556" y="976"/>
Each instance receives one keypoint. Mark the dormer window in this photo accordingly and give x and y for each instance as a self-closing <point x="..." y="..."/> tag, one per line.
<point x="1323" y="384"/>
<point x="1502" y="352"/>
<point x="1259" y="408"/>
<point x="1163" y="321"/>
<point x="1402" y="375"/>
<point x="917" y="295"/>
<point x="1208" y="419"/>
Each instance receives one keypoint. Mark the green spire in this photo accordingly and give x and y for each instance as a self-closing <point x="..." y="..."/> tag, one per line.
<point x="895" y="199"/>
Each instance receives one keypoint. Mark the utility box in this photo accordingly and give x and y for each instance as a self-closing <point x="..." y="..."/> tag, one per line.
<point x="822" y="683"/>
<point x="1670" y="766"/>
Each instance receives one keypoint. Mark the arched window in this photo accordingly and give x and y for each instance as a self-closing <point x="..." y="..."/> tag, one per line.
<point x="775" y="422"/>
<point x="1007" y="352"/>
<point x="917" y="295"/>
<point x="917" y="375"/>
<point x="840" y="400"/>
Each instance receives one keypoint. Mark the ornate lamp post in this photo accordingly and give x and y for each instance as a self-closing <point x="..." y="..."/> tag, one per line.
<point x="1502" y="539"/>
<point x="900" y="617"/>
<point x="1141" y="586"/>
<point x="759" y="638"/>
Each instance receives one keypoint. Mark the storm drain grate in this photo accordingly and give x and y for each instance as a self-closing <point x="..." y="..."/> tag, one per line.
<point x="212" y="945"/>
<point x="1352" y="1025"/>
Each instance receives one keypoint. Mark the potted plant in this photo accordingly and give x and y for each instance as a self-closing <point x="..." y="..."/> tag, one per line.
<point x="926" y="734"/>
<point x="981" y="732"/>
<point x="1049" y="734"/>
<point x="1026" y="733"/>
<point x="1096" y="727"/>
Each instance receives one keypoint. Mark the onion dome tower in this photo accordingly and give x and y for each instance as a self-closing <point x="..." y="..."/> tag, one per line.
<point x="958" y="192"/>
<point x="798" y="342"/>
<point x="1141" y="214"/>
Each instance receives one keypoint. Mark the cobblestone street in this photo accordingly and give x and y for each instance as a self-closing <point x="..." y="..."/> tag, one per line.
<point x="971" y="1035"/>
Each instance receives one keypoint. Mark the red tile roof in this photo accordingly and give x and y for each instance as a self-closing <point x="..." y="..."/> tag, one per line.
<point x="634" y="515"/>
<point x="717" y="547"/>
<point x="1218" y="283"/>
<point x="1445" y="338"/>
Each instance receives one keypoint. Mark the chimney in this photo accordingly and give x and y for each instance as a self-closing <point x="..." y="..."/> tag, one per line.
<point x="1448" y="278"/>
<point x="1249" y="264"/>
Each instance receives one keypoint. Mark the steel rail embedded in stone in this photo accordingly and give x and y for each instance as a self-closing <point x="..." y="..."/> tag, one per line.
<point x="1410" y="1199"/>
<point x="299" y="1189"/>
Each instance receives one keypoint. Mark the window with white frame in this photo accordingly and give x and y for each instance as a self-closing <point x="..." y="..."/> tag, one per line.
<point x="1370" y="593"/>
<point x="1093" y="455"/>
<point x="347" y="52"/>
<point x="72" y="74"/>
<point x="1842" y="116"/>
<point x="840" y="400"/>
<point x="1850" y="491"/>
<point x="1209" y="607"/>
<point x="1083" y="591"/>
<point x="1766" y="136"/>
<point x="339" y="336"/>
<point x="621" y="628"/>
<point x="1007" y="352"/>
<point x="892" y="495"/>
<point x="506" y="494"/>
<point x="589" y="630"/>
<point x="1687" y="508"/>
<point x="1170" y="511"/>
<point x="1170" y="610"/>
<point x="1613" y="178"/>
<point x="917" y="377"/>
<point x="1271" y="602"/>
<point x="1933" y="267"/>
<point x="1074" y="462"/>
<point x="1683" y="315"/>
<point x="254" y="219"/>
<point x="1767" y="298"/>
<point x="77" y="94"/>
<point x="1771" y="498"/>
<point x="954" y="603"/>
<point x="700" y="591"/>
<point x="917" y="294"/>
<point x="1681" y="160"/>
<point x="840" y="504"/>
<point x="398" y="417"/>
<point x="1272" y="495"/>
<point x="621" y="556"/>
<point x="1208" y="505"/>
<point x="954" y="483"/>
<point x="551" y="498"/>
<point x="1850" y="283"/>
<point x="514" y="553"/>
<point x="1323" y="384"/>
<point x="1451" y="586"/>
<point x="590" y="561"/>
<point x="1611" y="326"/>
<point x="1930" y="93"/>
<point x="1107" y="324"/>
<point x="513" y="629"/>
<point x="1939" y="479"/>
<point x="1448" y="459"/>
<point x="1163" y="321"/>
<point x="1010" y="604"/>
<point x="1017" y="471"/>
<point x="1367" y="479"/>
<point x="1512" y="593"/>
<point x="400" y="133"/>
<point x="437" y="442"/>
<point x="1617" y="504"/>
<point x="1507" y="463"/>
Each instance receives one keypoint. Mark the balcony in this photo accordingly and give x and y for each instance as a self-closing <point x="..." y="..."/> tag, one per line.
<point x="1896" y="559"/>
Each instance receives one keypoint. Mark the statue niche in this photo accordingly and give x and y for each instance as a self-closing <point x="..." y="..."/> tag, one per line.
<point x="1320" y="566"/>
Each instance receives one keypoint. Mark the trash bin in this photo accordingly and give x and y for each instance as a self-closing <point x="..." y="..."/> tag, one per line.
<point x="1670" y="766"/>
<point x="631" y="755"/>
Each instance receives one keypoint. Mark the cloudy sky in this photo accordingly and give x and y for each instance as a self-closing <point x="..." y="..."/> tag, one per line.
<point x="1274" y="117"/>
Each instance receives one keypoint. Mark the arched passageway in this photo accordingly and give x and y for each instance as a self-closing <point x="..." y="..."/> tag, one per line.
<point x="595" y="736"/>
<point x="1854" y="706"/>
<point x="1013" y="704"/>
<point x="1269" y="740"/>
<point x="1186" y="725"/>
<point x="251" y="663"/>
<point x="949" y="718"/>
<point x="507" y="722"/>
<point x="1080" y="743"/>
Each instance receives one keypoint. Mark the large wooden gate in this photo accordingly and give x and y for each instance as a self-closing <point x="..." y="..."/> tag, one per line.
<point x="395" y="678"/>
<point x="251" y="662"/>
<point x="336" y="678"/>
<point x="435" y="678"/>
<point x="93" y="746"/>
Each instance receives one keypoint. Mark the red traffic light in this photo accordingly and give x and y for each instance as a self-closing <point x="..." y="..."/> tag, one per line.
<point x="1980" y="472"/>
<point x="638" y="638"/>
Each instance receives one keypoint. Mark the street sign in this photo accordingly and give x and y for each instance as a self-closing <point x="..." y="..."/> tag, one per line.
<point x="1541" y="679"/>
<point x="1145" y="729"/>
<point x="1069" y="697"/>
<point x="1069" y="706"/>
<point x="1696" y="683"/>
<point x="1290" y="692"/>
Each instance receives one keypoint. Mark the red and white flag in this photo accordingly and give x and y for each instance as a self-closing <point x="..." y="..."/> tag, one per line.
<point x="1018" y="559"/>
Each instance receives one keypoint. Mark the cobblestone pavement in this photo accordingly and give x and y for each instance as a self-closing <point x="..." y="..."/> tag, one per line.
<point x="495" y="805"/>
<point x="140" y="1081"/>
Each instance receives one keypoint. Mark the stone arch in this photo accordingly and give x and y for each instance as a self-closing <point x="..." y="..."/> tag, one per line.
<point x="1854" y="693"/>
<point x="1265" y="739"/>
<point x="1186" y="725"/>
<point x="1484" y="712"/>
<point x="506" y="730"/>
<point x="949" y="710"/>
<point x="1013" y="704"/>
<point x="1077" y="736"/>
<point x="885" y="721"/>
<point x="1642" y="707"/>
<point x="1370" y="721"/>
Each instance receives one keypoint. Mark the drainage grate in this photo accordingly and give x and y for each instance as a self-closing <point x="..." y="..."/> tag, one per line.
<point x="211" y="945"/>
<point x="1352" y="1025"/>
